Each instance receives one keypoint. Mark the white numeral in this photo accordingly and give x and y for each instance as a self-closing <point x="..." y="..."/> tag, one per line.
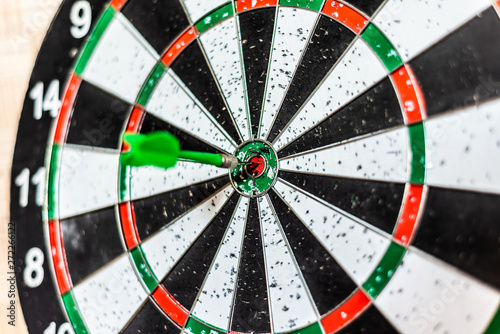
<point x="23" y="182"/>
<point x="81" y="18"/>
<point x="33" y="273"/>
<point x="38" y="180"/>
<point x="50" y="102"/>
<point x="65" y="328"/>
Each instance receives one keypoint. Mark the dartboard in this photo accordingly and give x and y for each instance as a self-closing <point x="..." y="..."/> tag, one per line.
<point x="366" y="197"/>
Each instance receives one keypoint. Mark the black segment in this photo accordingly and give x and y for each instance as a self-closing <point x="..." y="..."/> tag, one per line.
<point x="98" y="118"/>
<point x="378" y="109"/>
<point x="327" y="282"/>
<point x="377" y="203"/>
<point x="192" y="68"/>
<point x="90" y="241"/>
<point x="150" y="320"/>
<point x="328" y="42"/>
<point x="256" y="28"/>
<point x="452" y="75"/>
<point x="152" y="123"/>
<point x="369" y="7"/>
<point x="462" y="229"/>
<point x="370" y="321"/>
<point x="159" y="21"/>
<point x="154" y="213"/>
<point x="250" y="308"/>
<point x="186" y="278"/>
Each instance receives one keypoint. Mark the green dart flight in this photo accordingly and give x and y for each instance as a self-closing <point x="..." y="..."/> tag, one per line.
<point x="162" y="149"/>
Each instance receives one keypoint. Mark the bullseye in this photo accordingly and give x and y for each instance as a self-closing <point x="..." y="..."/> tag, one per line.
<point x="257" y="165"/>
<point x="257" y="171"/>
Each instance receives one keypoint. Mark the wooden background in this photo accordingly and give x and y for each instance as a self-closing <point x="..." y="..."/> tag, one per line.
<point x="23" y="24"/>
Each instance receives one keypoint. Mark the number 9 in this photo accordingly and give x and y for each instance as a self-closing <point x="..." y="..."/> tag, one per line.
<point x="81" y="18"/>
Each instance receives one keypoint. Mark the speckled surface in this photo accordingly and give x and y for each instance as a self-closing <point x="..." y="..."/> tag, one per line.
<point x="108" y="299"/>
<point x="121" y="61"/>
<point x="293" y="29"/>
<point x="171" y="102"/>
<point x="357" y="72"/>
<point x="215" y="301"/>
<point x="378" y="157"/>
<point x="221" y="44"/>
<point x="291" y="306"/>
<point x="166" y="247"/>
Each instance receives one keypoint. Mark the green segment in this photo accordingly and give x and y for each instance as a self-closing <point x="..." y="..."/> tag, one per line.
<point x="311" y="4"/>
<point x="197" y="327"/>
<point x="52" y="187"/>
<point x="417" y="142"/>
<point x="311" y="329"/>
<point x="74" y="314"/>
<point x="244" y="183"/>
<point x="148" y="88"/>
<point x="143" y="268"/>
<point x="124" y="182"/>
<point x="214" y="17"/>
<point x="96" y="35"/>
<point x="383" y="273"/>
<point x="494" y="327"/>
<point x="382" y="47"/>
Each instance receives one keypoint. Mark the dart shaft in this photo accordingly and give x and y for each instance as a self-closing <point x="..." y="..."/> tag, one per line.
<point x="202" y="157"/>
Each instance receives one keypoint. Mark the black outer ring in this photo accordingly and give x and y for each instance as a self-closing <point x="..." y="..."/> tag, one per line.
<point x="40" y="305"/>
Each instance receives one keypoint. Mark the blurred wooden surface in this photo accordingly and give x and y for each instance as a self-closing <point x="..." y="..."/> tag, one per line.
<point x="23" y="24"/>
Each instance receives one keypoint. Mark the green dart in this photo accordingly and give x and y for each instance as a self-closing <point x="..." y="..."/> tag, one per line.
<point x="162" y="149"/>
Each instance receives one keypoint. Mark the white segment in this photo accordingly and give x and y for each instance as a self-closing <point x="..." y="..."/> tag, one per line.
<point x="110" y="298"/>
<point x="122" y="60"/>
<point x="427" y="296"/>
<point x="358" y="70"/>
<point x="171" y="103"/>
<point x="199" y="8"/>
<point x="291" y="305"/>
<point x="463" y="149"/>
<point x="216" y="299"/>
<point x="165" y="248"/>
<point x="150" y="181"/>
<point x="355" y="247"/>
<point x="413" y="26"/>
<point x="222" y="47"/>
<point x="88" y="180"/>
<point x="293" y="27"/>
<point x="381" y="157"/>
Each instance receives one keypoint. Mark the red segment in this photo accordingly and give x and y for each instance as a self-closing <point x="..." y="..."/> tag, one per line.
<point x="242" y="5"/>
<point x="133" y="124"/>
<point x="409" y="213"/>
<point x="498" y="4"/>
<point x="58" y="257"/>
<point x="345" y="312"/>
<point x="184" y="40"/>
<point x="170" y="306"/>
<point x="118" y="4"/>
<point x="345" y="15"/>
<point x="128" y="225"/>
<point x="66" y="109"/>
<point x="410" y="94"/>
<point x="257" y="166"/>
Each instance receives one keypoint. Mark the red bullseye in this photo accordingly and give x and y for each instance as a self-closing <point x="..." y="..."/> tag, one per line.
<point x="256" y="166"/>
